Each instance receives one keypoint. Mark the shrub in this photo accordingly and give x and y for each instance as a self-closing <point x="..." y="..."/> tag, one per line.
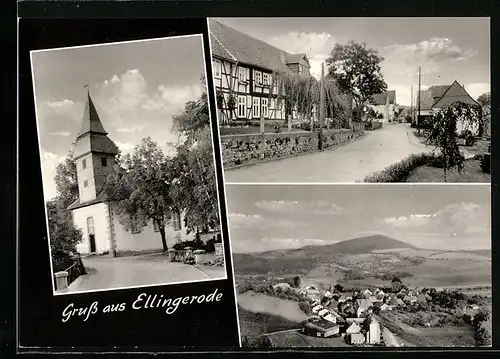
<point x="305" y="306"/>
<point x="400" y="171"/>
<point x="259" y="342"/>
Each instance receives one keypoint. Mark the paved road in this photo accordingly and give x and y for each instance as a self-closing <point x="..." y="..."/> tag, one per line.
<point x="110" y="273"/>
<point x="372" y="152"/>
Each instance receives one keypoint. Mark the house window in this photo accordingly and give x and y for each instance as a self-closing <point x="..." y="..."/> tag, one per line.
<point x="242" y="104"/>
<point x="84" y="163"/>
<point x="256" y="107"/>
<point x="134" y="226"/>
<point x="156" y="228"/>
<point x="90" y="225"/>
<point x="176" y="221"/>
<point x="266" y="79"/>
<point x="104" y="161"/>
<point x="242" y="74"/>
<point x="264" y="107"/>
<point x="258" y="78"/>
<point x="85" y="183"/>
<point x="217" y="69"/>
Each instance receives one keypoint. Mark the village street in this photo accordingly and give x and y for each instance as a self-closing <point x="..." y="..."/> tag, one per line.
<point x="372" y="152"/>
<point x="110" y="273"/>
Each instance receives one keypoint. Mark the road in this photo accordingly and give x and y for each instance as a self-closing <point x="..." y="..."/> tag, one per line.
<point x="372" y="152"/>
<point x="112" y="273"/>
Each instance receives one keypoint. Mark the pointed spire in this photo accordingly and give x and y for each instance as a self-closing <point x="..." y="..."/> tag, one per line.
<point x="91" y="121"/>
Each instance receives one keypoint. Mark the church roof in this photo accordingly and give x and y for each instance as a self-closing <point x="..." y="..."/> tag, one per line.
<point x="101" y="197"/>
<point x="92" y="136"/>
<point x="91" y="121"/>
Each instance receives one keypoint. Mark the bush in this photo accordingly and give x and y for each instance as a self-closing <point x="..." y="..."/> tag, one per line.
<point x="305" y="306"/>
<point x="400" y="171"/>
<point x="259" y="342"/>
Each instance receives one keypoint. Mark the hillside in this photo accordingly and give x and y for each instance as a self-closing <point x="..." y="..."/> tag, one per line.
<point x="306" y="258"/>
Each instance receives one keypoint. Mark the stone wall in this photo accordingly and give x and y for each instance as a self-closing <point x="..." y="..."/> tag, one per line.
<point x="219" y="252"/>
<point x="246" y="149"/>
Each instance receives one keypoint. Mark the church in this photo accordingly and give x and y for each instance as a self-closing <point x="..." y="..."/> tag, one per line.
<point x="94" y="157"/>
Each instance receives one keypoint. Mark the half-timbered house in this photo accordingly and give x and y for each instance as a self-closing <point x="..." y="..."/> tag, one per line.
<point x="243" y="68"/>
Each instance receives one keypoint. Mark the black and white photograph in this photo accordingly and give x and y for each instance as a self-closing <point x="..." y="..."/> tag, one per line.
<point x="326" y="266"/>
<point x="127" y="160"/>
<point x="345" y="100"/>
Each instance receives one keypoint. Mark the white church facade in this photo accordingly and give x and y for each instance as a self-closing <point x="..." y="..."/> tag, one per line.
<point x="94" y="157"/>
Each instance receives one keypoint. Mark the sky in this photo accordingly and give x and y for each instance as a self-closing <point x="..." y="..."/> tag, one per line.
<point x="446" y="49"/>
<point x="136" y="87"/>
<point x="442" y="217"/>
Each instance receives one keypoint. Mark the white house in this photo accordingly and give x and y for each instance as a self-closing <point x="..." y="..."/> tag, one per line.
<point x="373" y="334"/>
<point x="94" y="157"/>
<point x="385" y="104"/>
<point x="317" y="308"/>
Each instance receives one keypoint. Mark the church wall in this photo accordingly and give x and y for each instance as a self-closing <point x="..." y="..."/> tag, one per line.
<point x="86" y="193"/>
<point x="147" y="239"/>
<point x="99" y="212"/>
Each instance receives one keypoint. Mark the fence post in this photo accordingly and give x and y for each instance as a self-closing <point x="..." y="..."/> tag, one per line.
<point x="61" y="281"/>
<point x="289" y="123"/>
<point x="263" y="137"/>
<point x="198" y="256"/>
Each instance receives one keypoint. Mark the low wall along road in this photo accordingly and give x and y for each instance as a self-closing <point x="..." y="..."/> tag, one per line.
<point x="247" y="149"/>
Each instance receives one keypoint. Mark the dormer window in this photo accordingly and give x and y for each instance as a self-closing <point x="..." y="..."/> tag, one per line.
<point x="104" y="162"/>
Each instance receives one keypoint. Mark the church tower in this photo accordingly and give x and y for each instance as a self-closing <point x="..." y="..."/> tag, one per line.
<point x="94" y="154"/>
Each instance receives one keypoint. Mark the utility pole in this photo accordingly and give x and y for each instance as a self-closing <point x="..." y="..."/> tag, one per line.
<point x="418" y="115"/>
<point x="321" y="105"/>
<point x="411" y="103"/>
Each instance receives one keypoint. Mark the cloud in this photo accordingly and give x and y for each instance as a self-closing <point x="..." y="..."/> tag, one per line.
<point x="312" y="207"/>
<point x="130" y="129"/>
<point x="50" y="161"/>
<point x="125" y="147"/>
<point x="316" y="45"/>
<point x="240" y="220"/>
<point x="60" y="133"/>
<point x="431" y="54"/>
<point x="256" y="221"/>
<point x="458" y="218"/>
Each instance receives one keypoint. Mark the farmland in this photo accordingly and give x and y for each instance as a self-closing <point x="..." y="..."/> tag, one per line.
<point x="278" y="316"/>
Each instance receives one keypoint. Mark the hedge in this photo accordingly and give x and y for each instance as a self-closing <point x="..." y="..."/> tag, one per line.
<point x="399" y="172"/>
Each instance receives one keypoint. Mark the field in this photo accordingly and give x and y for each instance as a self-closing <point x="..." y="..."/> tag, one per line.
<point x="447" y="335"/>
<point x="261" y="303"/>
<point x="255" y="324"/>
<point x="294" y="339"/>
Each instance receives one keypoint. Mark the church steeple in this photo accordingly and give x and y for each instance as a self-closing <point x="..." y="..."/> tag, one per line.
<point x="91" y="121"/>
<point x="94" y="154"/>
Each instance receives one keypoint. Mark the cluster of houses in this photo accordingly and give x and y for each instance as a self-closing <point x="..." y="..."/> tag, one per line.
<point x="350" y="314"/>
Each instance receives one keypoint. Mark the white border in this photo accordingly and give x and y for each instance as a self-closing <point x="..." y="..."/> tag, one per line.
<point x="225" y="192"/>
<point x="41" y="163"/>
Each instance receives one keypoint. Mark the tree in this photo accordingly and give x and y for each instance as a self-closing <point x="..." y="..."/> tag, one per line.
<point x="66" y="183"/>
<point x="193" y="119"/>
<point x="296" y="282"/>
<point x="357" y="70"/>
<point x="444" y="133"/>
<point x="302" y="93"/>
<point x="194" y="186"/>
<point x="139" y="191"/>
<point x="63" y="236"/>
<point x="338" y="288"/>
<point x="484" y="99"/>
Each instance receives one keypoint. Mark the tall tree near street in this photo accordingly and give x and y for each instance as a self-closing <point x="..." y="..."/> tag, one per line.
<point x="194" y="187"/>
<point x="357" y="70"/>
<point x="139" y="191"/>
